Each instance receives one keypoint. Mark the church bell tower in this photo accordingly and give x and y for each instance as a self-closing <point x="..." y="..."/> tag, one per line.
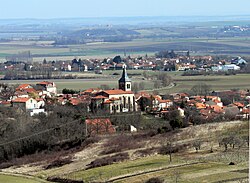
<point x="124" y="81"/>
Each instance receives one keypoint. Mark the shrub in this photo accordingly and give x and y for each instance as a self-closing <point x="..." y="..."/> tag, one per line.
<point x="63" y="180"/>
<point x="108" y="160"/>
<point x="58" y="163"/>
<point x="155" y="180"/>
<point x="123" y="142"/>
<point x="146" y="152"/>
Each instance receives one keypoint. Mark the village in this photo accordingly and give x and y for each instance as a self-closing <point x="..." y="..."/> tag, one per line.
<point x="192" y="109"/>
<point x="25" y="68"/>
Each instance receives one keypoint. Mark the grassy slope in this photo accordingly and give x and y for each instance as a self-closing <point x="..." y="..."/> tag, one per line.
<point x="203" y="172"/>
<point x="207" y="171"/>
<point x="210" y="167"/>
<point x="4" y="178"/>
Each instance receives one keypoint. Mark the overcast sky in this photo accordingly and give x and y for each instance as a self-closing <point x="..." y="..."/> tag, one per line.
<point x="120" y="8"/>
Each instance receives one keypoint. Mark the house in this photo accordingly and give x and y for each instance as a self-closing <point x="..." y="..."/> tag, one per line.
<point x="48" y="86"/>
<point x="229" y="67"/>
<point x="5" y="103"/>
<point x="99" y="126"/>
<point x="159" y="103"/>
<point x="27" y="104"/>
<point x="238" y="61"/>
<point x="23" y="87"/>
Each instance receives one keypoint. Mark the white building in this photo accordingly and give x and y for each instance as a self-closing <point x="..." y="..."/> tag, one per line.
<point x="229" y="67"/>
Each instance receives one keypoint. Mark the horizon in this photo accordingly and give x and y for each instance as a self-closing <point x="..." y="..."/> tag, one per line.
<point x="56" y="9"/>
<point x="144" y="16"/>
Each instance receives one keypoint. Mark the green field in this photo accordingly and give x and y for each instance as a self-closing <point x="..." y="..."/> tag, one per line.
<point x="107" y="172"/>
<point x="4" y="178"/>
<point x="159" y="166"/>
<point x="182" y="83"/>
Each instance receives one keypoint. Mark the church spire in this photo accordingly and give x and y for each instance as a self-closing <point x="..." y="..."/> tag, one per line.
<point x="124" y="81"/>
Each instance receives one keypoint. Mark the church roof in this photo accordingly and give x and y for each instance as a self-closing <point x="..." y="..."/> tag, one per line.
<point x="124" y="77"/>
<point x="117" y="92"/>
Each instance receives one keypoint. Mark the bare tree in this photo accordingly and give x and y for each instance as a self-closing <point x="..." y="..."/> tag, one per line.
<point x="197" y="145"/>
<point x="201" y="89"/>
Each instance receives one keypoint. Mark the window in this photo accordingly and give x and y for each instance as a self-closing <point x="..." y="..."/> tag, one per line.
<point x="128" y="86"/>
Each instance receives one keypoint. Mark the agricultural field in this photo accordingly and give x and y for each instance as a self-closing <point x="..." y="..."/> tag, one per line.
<point x="136" y="47"/>
<point x="184" y="83"/>
<point x="181" y="83"/>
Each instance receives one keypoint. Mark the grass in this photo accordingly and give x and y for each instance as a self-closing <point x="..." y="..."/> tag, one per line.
<point x="19" y="179"/>
<point x="201" y="172"/>
<point x="106" y="172"/>
<point x="183" y="83"/>
<point x="204" y="172"/>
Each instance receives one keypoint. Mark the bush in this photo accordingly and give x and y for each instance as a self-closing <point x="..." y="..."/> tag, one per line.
<point x="146" y="152"/>
<point x="63" y="180"/>
<point x="174" y="149"/>
<point x="58" y="163"/>
<point x="108" y="160"/>
<point x="155" y="180"/>
<point x="123" y="142"/>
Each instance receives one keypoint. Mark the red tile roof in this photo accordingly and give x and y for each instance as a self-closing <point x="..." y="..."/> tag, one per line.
<point x="29" y="90"/>
<point x="200" y="106"/>
<point x="22" y="86"/>
<point x="217" y="108"/>
<point x="245" y="111"/>
<point x="238" y="104"/>
<point x="45" y="83"/>
<point x="90" y="90"/>
<point x="117" y="92"/>
<point x="99" y="97"/>
<point x="74" y="101"/>
<point x="20" y="100"/>
<point x="5" y="102"/>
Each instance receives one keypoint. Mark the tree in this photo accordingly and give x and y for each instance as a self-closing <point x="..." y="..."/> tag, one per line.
<point x="145" y="74"/>
<point x="69" y="91"/>
<point x="117" y="59"/>
<point x="197" y="145"/>
<point x="7" y="91"/>
<point x="201" y="89"/>
<point x="135" y="87"/>
<point x="105" y="87"/>
<point x="168" y="149"/>
<point x="157" y="84"/>
<point x="175" y="119"/>
<point x="141" y="86"/>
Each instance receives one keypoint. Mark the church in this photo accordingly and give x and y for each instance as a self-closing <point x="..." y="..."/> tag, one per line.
<point x="116" y="100"/>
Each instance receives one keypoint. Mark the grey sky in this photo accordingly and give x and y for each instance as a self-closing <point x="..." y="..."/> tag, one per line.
<point x="118" y="8"/>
